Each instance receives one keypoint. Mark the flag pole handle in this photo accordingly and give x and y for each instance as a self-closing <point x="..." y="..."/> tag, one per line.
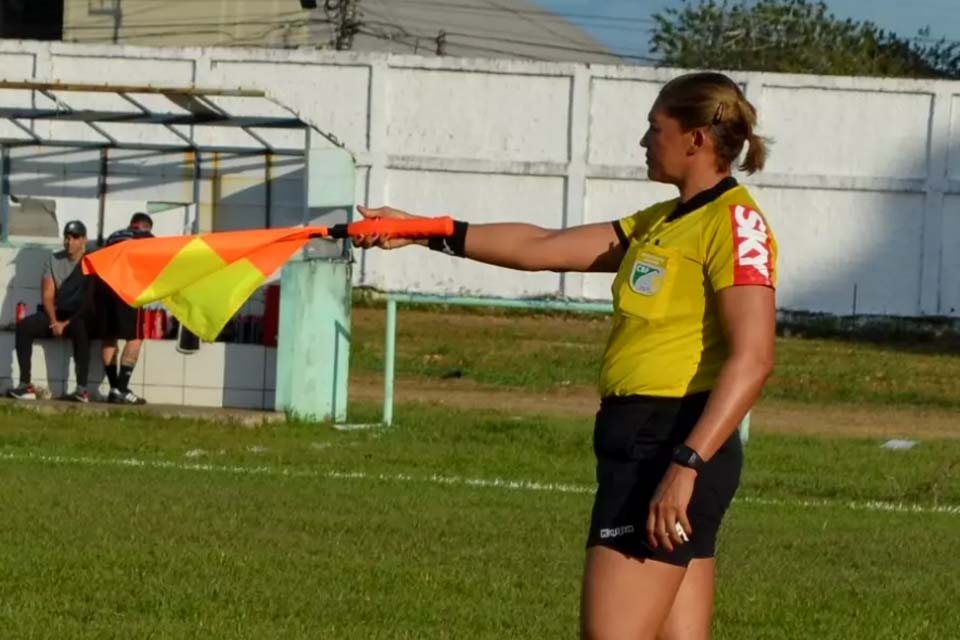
<point x="412" y="228"/>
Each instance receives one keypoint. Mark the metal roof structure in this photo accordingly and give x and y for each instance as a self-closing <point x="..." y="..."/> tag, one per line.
<point x="115" y="119"/>
<point x="178" y="111"/>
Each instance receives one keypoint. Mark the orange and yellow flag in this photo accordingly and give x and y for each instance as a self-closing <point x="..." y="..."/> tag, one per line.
<point x="204" y="279"/>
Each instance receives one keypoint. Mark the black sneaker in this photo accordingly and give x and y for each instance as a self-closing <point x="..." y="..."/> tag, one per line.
<point x="23" y="392"/>
<point x="115" y="396"/>
<point x="78" y="395"/>
<point x="127" y="397"/>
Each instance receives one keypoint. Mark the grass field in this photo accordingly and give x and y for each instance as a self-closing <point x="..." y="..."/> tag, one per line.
<point x="464" y="523"/>
<point x="541" y="351"/>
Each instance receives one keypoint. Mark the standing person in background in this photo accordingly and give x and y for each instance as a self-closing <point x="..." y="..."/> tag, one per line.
<point x="690" y="349"/>
<point x="65" y="312"/>
<point x="120" y="321"/>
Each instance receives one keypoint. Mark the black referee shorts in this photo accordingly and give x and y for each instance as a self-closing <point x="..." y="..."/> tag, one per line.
<point x="633" y="440"/>
<point x="115" y="318"/>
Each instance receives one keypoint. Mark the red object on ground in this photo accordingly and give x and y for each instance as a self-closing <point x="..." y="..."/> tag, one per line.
<point x="146" y="323"/>
<point x="160" y="324"/>
<point x="271" y="316"/>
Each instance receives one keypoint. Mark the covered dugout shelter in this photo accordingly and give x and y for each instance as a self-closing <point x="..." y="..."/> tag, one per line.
<point x="198" y="160"/>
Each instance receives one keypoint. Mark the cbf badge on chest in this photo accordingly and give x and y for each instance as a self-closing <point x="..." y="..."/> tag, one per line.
<point x="648" y="273"/>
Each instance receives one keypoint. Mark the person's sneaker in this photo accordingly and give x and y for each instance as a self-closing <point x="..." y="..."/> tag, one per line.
<point x="115" y="396"/>
<point x="23" y="392"/>
<point x="78" y="395"/>
<point x="129" y="397"/>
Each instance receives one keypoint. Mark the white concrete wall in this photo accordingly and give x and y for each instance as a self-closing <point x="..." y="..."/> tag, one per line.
<point x="863" y="187"/>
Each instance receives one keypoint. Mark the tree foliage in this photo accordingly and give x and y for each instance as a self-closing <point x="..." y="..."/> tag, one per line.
<point x="794" y="36"/>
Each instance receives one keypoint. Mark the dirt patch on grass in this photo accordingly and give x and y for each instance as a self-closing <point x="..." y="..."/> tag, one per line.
<point x="770" y="416"/>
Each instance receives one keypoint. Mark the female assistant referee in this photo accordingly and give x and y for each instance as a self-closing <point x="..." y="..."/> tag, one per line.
<point x="691" y="347"/>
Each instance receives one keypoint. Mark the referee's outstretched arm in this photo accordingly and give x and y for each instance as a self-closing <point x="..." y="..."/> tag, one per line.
<point x="526" y="247"/>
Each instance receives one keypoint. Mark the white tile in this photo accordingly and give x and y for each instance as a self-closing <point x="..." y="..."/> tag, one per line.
<point x="99" y="392"/>
<point x="24" y="268"/>
<point x="243" y="398"/>
<point x="30" y="296"/>
<point x="205" y="368"/>
<point x="50" y="359"/>
<point x="8" y="355"/>
<point x="163" y="394"/>
<point x="202" y="397"/>
<point x="96" y="366"/>
<point x="56" y="387"/>
<point x="161" y="363"/>
<point x="139" y="375"/>
<point x="243" y="366"/>
<point x="270" y="369"/>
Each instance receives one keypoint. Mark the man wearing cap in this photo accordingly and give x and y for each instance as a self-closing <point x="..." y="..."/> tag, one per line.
<point x="66" y="295"/>
<point x="120" y="321"/>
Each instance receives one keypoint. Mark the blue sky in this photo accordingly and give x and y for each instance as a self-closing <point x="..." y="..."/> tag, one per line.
<point x="623" y="25"/>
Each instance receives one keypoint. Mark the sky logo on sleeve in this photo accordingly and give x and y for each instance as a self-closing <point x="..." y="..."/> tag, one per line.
<point x="752" y="254"/>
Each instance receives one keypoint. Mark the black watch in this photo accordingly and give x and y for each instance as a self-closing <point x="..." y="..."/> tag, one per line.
<point x="687" y="457"/>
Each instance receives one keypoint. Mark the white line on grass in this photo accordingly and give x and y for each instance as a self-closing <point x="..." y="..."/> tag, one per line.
<point x="486" y="483"/>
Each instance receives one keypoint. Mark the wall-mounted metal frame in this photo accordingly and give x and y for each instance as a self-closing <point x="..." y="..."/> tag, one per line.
<point x="179" y="113"/>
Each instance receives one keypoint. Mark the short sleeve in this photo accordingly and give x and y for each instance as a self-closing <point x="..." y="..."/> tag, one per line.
<point x="634" y="225"/>
<point x="739" y="249"/>
<point x="48" y="267"/>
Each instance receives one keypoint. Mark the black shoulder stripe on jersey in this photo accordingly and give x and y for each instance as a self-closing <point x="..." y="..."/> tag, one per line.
<point x="624" y="240"/>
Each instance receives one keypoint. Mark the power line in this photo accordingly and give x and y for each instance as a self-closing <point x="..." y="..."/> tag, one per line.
<point x="549" y="45"/>
<point x="540" y="13"/>
<point x="161" y="29"/>
<point x="447" y="7"/>
<point x="402" y="32"/>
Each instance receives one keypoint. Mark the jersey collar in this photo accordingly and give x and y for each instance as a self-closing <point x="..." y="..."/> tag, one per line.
<point x="703" y="198"/>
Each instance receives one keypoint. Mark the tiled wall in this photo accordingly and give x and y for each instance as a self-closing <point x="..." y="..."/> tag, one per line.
<point x="218" y="375"/>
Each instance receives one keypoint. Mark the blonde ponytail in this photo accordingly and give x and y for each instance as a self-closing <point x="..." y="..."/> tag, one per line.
<point x="714" y="101"/>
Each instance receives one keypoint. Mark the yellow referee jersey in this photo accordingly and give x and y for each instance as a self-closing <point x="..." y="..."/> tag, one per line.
<point x="667" y="339"/>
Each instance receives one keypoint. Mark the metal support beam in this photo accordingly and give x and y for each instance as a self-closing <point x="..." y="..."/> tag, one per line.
<point x="4" y="193"/>
<point x="102" y="196"/>
<point x="171" y="148"/>
<point x="131" y="117"/>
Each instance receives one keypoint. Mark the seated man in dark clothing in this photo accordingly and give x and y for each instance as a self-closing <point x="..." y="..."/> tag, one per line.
<point x="120" y="321"/>
<point x="67" y="304"/>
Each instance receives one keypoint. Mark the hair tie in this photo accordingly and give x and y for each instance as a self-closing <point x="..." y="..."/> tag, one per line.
<point x="718" y="116"/>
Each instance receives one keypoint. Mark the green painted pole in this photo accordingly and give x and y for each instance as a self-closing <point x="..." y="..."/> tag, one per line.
<point x="467" y="301"/>
<point x="529" y="305"/>
<point x="389" y="360"/>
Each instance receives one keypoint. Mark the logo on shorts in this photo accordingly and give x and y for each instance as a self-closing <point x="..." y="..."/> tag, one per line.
<point x="647" y="275"/>
<point x="616" y="532"/>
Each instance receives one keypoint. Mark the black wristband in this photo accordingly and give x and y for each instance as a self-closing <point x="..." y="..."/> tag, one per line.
<point x="687" y="457"/>
<point x="452" y="245"/>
